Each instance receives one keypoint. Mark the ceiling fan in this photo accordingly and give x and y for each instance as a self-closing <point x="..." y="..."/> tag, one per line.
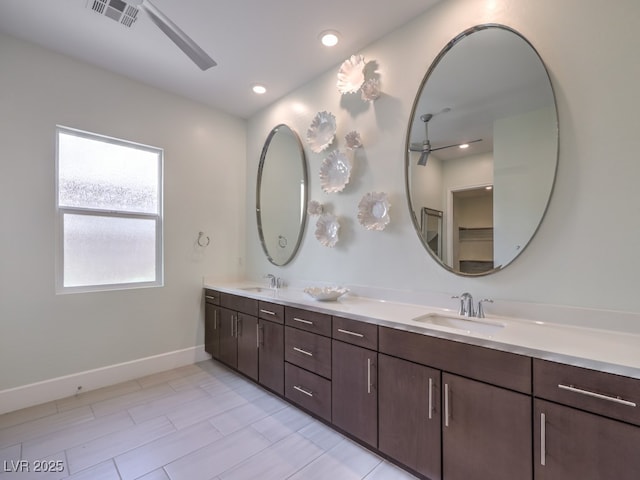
<point x="126" y="13"/>
<point x="425" y="147"/>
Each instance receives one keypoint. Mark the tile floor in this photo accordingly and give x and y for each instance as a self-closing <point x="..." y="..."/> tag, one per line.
<point x="199" y="422"/>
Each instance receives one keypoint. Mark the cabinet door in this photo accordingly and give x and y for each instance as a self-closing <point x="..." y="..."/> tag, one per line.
<point x="570" y="443"/>
<point x="409" y="419"/>
<point x="228" y="340"/>
<point x="354" y="395"/>
<point x="486" y="431"/>
<point x="247" y="334"/>
<point x="212" y="330"/>
<point x="271" y="356"/>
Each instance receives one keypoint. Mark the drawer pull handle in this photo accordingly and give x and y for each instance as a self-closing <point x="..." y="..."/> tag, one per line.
<point x="302" y="390"/>
<point x="268" y="312"/>
<point x="209" y="297"/>
<point x="348" y="332"/>
<point x="447" y="413"/>
<point x="430" y="398"/>
<point x="588" y="393"/>
<point x="543" y="439"/>
<point x="301" y="320"/>
<point x="304" y="352"/>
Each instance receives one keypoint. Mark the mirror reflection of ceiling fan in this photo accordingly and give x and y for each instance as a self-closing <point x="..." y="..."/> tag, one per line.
<point x="126" y="13"/>
<point x="425" y="148"/>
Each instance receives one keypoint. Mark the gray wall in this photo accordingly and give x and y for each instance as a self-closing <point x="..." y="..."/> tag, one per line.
<point x="44" y="335"/>
<point x="585" y="252"/>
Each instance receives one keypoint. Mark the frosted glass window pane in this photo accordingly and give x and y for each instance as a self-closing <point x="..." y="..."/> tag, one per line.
<point x="108" y="250"/>
<point x="108" y="176"/>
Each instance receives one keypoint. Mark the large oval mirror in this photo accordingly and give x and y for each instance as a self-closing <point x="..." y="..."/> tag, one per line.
<point x="281" y="195"/>
<point x="482" y="150"/>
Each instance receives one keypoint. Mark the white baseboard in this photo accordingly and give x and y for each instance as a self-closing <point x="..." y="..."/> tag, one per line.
<point x="61" y="387"/>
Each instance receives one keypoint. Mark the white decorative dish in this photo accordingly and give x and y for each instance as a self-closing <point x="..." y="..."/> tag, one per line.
<point x="315" y="208"/>
<point x="351" y="74"/>
<point x="327" y="228"/>
<point x="325" y="294"/>
<point x="370" y="90"/>
<point x="335" y="172"/>
<point x="373" y="211"/>
<point x="353" y="140"/>
<point x="321" y="132"/>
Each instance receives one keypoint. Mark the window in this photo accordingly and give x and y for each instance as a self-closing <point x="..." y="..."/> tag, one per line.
<point x="109" y="206"/>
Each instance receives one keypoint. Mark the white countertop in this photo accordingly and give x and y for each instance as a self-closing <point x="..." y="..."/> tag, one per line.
<point x="609" y="351"/>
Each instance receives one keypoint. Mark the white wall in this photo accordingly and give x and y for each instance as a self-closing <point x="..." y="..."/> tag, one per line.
<point x="44" y="335"/>
<point x="590" y="49"/>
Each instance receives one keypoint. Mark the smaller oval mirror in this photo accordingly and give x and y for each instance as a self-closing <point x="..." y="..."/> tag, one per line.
<point x="482" y="150"/>
<point x="281" y="195"/>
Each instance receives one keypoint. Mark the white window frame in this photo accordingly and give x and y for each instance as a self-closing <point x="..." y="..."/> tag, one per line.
<point x="61" y="211"/>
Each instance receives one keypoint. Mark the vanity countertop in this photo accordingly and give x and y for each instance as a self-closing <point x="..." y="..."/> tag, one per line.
<point x="608" y="351"/>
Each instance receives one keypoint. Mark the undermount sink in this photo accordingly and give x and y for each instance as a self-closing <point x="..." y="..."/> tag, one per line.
<point x="465" y="324"/>
<point x="266" y="290"/>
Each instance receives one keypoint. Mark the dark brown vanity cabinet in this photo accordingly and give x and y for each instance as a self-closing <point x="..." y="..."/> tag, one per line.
<point x="212" y="323"/>
<point x="409" y="417"/>
<point x="271" y="347"/>
<point x="586" y="424"/>
<point x="485" y="409"/>
<point x="307" y="354"/>
<point x="238" y="333"/>
<point x="354" y="376"/>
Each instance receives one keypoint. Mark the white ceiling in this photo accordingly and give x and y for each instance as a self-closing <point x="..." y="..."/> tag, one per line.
<point x="274" y="42"/>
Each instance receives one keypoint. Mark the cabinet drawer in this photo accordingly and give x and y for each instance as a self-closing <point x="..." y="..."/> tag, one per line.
<point x="271" y="311"/>
<point x="504" y="369"/>
<point x="308" y="390"/>
<point x="355" y="332"/>
<point x="239" y="304"/>
<point x="211" y="296"/>
<point x="311" y="321"/>
<point x="607" y="394"/>
<point x="308" y="350"/>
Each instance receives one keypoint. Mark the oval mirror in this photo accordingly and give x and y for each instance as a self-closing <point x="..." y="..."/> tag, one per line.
<point x="281" y="195"/>
<point x="482" y="150"/>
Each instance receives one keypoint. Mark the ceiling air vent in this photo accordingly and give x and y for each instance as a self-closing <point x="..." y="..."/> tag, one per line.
<point x="117" y="10"/>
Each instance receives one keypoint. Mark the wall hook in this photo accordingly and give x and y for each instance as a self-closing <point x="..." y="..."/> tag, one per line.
<point x="203" y="240"/>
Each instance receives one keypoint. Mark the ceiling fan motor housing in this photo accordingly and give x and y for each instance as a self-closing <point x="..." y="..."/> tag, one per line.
<point x="118" y="10"/>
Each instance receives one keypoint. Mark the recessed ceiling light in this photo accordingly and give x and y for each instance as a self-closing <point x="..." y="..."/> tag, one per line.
<point x="259" y="89"/>
<point x="329" y="38"/>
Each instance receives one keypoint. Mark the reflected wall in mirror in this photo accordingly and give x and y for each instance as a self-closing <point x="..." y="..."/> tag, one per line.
<point x="281" y="195"/>
<point x="482" y="147"/>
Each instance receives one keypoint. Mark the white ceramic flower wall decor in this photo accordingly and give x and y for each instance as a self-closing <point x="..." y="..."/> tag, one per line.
<point x="353" y="140"/>
<point x="321" y="132"/>
<point x="335" y="172"/>
<point x="370" y="90"/>
<point x="373" y="211"/>
<point x="351" y="74"/>
<point x="327" y="228"/>
<point x="315" y="208"/>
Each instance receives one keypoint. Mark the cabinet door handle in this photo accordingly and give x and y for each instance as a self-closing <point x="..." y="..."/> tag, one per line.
<point x="302" y="390"/>
<point x="301" y="320"/>
<point x="304" y="352"/>
<point x="543" y="439"/>
<point x="233" y="326"/>
<point x="268" y="312"/>
<point x="368" y="375"/>
<point x="348" y="332"/>
<point x="215" y="319"/>
<point x="257" y="335"/>
<point x="447" y="413"/>
<point x="430" y="398"/>
<point x="601" y="396"/>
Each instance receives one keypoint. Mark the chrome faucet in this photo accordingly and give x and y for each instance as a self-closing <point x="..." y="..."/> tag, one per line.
<point x="273" y="283"/>
<point x="466" y="304"/>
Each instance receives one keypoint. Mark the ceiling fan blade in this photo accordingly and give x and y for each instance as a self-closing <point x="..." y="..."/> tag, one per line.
<point x="177" y="36"/>
<point x="422" y="161"/>
<point x="456" y="145"/>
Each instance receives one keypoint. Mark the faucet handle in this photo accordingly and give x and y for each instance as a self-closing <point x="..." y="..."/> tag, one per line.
<point x="480" y="313"/>
<point x="461" y="310"/>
